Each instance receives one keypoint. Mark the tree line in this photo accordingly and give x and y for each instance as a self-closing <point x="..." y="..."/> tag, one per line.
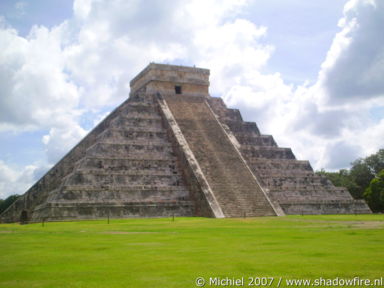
<point x="364" y="180"/>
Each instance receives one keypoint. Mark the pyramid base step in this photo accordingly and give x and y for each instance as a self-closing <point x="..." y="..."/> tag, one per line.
<point x="84" y="211"/>
<point x="326" y="207"/>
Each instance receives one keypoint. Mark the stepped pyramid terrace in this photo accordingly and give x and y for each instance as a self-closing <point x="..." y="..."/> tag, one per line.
<point x="172" y="149"/>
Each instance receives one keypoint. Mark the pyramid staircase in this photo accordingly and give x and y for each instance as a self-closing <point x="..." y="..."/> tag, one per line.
<point x="233" y="184"/>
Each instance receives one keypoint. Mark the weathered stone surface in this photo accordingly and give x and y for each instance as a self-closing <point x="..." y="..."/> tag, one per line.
<point x="171" y="149"/>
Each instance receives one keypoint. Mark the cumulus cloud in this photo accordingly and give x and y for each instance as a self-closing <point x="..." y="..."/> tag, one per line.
<point x="36" y="92"/>
<point x="350" y="84"/>
<point x="60" y="140"/>
<point x="354" y="66"/>
<point x="328" y="122"/>
<point x="89" y="60"/>
<point x="116" y="39"/>
<point x="17" y="181"/>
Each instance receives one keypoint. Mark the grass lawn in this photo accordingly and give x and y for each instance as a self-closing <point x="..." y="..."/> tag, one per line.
<point x="163" y="253"/>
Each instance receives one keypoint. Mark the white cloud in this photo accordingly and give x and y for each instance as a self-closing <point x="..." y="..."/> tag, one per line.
<point x="329" y="122"/>
<point x="60" y="140"/>
<point x="355" y="62"/>
<point x="17" y="181"/>
<point x="350" y="82"/>
<point x="116" y="39"/>
<point x="36" y="91"/>
<point x="232" y="52"/>
<point x="82" y="8"/>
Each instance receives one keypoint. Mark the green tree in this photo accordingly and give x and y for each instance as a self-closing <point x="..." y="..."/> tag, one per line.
<point x="375" y="162"/>
<point x="363" y="171"/>
<point x="4" y="204"/>
<point x="374" y="194"/>
<point x="359" y="177"/>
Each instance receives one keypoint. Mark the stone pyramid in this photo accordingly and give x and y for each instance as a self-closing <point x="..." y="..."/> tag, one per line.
<point x="172" y="149"/>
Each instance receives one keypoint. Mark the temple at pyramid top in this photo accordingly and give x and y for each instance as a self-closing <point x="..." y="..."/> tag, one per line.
<point x="169" y="79"/>
<point x="172" y="149"/>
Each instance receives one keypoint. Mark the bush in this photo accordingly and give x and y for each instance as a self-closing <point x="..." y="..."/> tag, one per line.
<point x="374" y="194"/>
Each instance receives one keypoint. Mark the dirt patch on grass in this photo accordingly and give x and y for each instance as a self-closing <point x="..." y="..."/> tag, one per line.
<point x="342" y="223"/>
<point x="128" y="232"/>
<point x="368" y="224"/>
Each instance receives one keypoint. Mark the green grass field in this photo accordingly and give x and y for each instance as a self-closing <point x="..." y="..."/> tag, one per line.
<point x="163" y="253"/>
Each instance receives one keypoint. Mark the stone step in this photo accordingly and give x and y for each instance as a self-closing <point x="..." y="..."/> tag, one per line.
<point x="121" y="179"/>
<point x="295" y="186"/>
<point x="123" y="135"/>
<point x="155" y="117"/>
<point x="273" y="165"/>
<point x="231" y="115"/>
<point x="253" y="140"/>
<point x="98" y="195"/>
<point x="249" y="128"/>
<point x="296" y="180"/>
<point x="313" y="189"/>
<point x="146" y="157"/>
<point x="128" y="150"/>
<point x="66" y="211"/>
<point x="140" y="108"/>
<point x="218" y="106"/>
<point x="117" y="164"/>
<point x="309" y="195"/>
<point x="129" y="171"/>
<point x="142" y="100"/>
<point x="123" y="121"/>
<point x="140" y="187"/>
<point x="131" y="128"/>
<point x="135" y="142"/>
<point x="267" y="152"/>
<point x="269" y="174"/>
<point x="223" y="113"/>
<point x="326" y="207"/>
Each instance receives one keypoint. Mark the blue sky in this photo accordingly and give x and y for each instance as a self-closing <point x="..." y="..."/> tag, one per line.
<point x="308" y="72"/>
